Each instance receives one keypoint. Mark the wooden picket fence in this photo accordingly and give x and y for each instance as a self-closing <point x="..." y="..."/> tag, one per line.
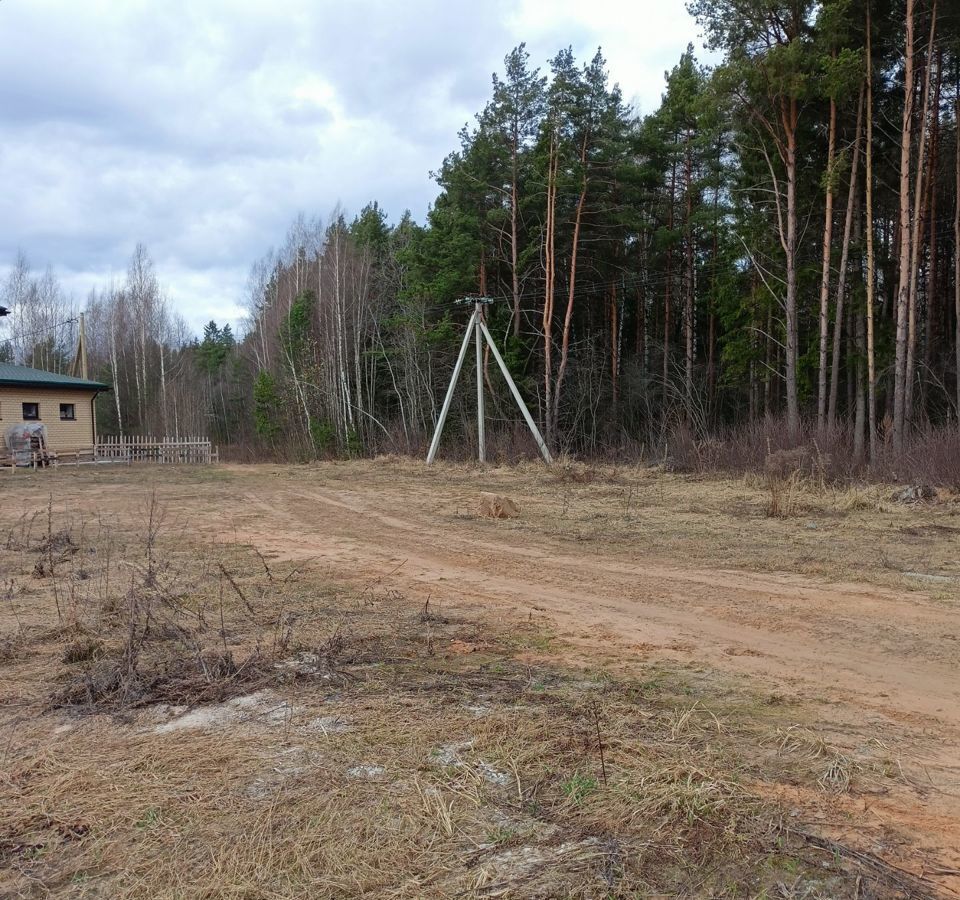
<point x="163" y="450"/>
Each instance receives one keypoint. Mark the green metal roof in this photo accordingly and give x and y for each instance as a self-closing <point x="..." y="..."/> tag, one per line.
<point x="24" y="376"/>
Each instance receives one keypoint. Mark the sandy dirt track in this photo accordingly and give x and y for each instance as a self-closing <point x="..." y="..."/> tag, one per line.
<point x="888" y="651"/>
<point x="879" y="661"/>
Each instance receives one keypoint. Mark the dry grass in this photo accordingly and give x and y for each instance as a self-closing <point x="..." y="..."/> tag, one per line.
<point x="183" y="719"/>
<point x="188" y="721"/>
<point x="793" y="523"/>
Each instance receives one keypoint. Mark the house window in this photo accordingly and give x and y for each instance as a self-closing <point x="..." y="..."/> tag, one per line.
<point x="31" y="411"/>
<point x="68" y="412"/>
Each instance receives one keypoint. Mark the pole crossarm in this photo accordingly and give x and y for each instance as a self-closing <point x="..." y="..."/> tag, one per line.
<point x="474" y="301"/>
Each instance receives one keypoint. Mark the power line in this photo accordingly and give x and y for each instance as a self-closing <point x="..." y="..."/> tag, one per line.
<point x="45" y="328"/>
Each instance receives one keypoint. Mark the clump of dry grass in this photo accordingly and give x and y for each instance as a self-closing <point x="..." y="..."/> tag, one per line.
<point x="567" y="470"/>
<point x="801" y="740"/>
<point x="83" y="649"/>
<point x="785" y="496"/>
<point x="694" y="719"/>
<point x="687" y="796"/>
<point x="838" y="773"/>
<point x="856" y="499"/>
<point x="10" y="649"/>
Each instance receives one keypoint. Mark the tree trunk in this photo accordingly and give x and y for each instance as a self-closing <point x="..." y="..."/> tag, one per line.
<point x="163" y="387"/>
<point x="514" y="251"/>
<point x="825" y="270"/>
<point x="552" y="165"/>
<point x="640" y="338"/>
<point x="115" y="367"/>
<point x="956" y="252"/>
<point x="871" y="363"/>
<point x="790" y="114"/>
<point x="919" y="218"/>
<point x="688" y="306"/>
<point x="568" y="316"/>
<point x="903" y="282"/>
<point x="666" y="299"/>
<point x="844" y="257"/>
<point x="931" y="338"/>
<point x="614" y="349"/>
<point x="860" y="407"/>
<point x="769" y="361"/>
<point x="849" y="363"/>
<point x="712" y="322"/>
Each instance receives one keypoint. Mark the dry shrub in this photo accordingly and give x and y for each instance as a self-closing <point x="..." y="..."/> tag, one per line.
<point x="60" y="542"/>
<point x="683" y="451"/>
<point x="180" y="678"/>
<point x="511" y="443"/>
<point x="827" y="456"/>
<point x="149" y="626"/>
<point x="930" y="457"/>
<point x="801" y="461"/>
<point x="784" y="502"/>
<point x="744" y="449"/>
<point x="782" y="477"/>
<point x="566" y="470"/>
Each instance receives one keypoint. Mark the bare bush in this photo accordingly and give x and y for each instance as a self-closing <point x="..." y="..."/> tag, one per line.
<point x="826" y="456"/>
<point x="145" y="628"/>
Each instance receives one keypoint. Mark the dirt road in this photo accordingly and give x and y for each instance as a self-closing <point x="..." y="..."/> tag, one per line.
<point x="892" y="652"/>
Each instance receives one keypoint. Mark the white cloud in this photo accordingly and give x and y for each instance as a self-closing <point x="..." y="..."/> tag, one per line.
<point x="202" y="128"/>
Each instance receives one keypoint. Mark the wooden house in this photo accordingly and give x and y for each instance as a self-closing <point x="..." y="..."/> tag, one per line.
<point x="61" y="403"/>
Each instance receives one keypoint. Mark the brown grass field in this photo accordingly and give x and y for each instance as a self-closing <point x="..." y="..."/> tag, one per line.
<point x="338" y="680"/>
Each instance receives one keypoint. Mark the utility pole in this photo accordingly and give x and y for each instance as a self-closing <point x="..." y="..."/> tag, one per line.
<point x="78" y="367"/>
<point x="481" y="441"/>
<point x="479" y="331"/>
<point x="82" y="348"/>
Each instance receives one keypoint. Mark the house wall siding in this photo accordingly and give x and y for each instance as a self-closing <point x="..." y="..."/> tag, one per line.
<point x="76" y="435"/>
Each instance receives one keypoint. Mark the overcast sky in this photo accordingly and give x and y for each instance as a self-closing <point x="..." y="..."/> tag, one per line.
<point x="202" y="127"/>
